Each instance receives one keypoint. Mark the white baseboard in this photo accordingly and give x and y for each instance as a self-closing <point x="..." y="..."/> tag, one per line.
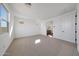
<point x="26" y="36"/>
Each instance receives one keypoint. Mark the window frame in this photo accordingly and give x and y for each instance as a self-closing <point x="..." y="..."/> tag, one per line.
<point x="3" y="18"/>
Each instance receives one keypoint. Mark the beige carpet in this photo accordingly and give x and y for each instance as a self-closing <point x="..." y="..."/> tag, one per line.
<point x="44" y="46"/>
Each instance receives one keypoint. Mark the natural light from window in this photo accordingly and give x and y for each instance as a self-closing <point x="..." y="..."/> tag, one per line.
<point x="3" y="19"/>
<point x="37" y="41"/>
<point x="49" y="35"/>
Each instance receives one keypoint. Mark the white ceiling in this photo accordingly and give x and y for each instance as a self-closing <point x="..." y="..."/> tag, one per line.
<point x="42" y="11"/>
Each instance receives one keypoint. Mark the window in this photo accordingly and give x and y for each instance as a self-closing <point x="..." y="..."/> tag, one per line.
<point x="3" y="19"/>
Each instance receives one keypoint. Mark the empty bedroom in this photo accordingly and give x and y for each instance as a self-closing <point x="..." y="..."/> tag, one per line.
<point x="39" y="29"/>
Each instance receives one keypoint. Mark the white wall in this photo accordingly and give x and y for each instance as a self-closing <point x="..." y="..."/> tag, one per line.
<point x="63" y="26"/>
<point x="29" y="28"/>
<point x="78" y="27"/>
<point x="6" y="38"/>
<point x="43" y="28"/>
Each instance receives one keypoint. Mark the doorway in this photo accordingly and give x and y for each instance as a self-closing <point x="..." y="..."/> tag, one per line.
<point x="50" y="28"/>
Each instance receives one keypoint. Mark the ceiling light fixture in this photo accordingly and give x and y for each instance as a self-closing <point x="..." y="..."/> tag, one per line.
<point x="28" y="4"/>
